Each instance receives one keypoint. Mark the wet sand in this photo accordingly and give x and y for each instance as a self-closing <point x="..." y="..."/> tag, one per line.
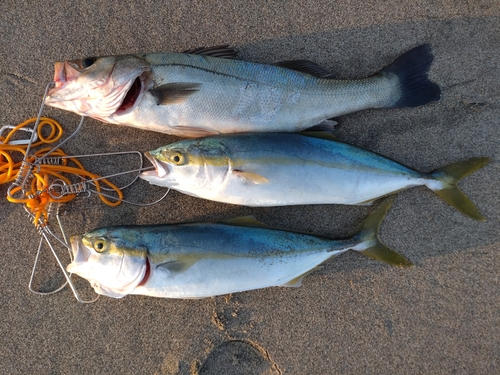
<point x="354" y="315"/>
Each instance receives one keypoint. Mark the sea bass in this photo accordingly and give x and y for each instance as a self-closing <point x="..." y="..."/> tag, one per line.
<point x="203" y="260"/>
<point x="280" y="169"/>
<point x="201" y="92"/>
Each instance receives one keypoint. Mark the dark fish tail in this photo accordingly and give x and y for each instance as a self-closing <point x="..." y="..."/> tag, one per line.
<point x="449" y="191"/>
<point x="411" y="70"/>
<point x="369" y="241"/>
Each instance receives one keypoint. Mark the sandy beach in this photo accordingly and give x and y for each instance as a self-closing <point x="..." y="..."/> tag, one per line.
<point x="352" y="316"/>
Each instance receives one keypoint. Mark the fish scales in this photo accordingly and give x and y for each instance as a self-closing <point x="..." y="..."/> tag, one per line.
<point x="279" y="169"/>
<point x="267" y="97"/>
<point x="233" y="264"/>
<point x="197" y="95"/>
<point x="202" y="260"/>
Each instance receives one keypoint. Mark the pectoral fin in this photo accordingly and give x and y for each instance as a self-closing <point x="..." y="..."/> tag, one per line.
<point x="252" y="177"/>
<point x="174" y="93"/>
<point x="176" y="266"/>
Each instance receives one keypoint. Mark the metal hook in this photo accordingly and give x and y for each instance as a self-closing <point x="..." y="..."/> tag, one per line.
<point x="37" y="122"/>
<point x="59" y="188"/>
<point x="26" y="169"/>
<point x="40" y="159"/>
<point x="56" y="160"/>
<point x="130" y="202"/>
<point x="66" y="274"/>
<point x="35" y="264"/>
<point x="45" y="232"/>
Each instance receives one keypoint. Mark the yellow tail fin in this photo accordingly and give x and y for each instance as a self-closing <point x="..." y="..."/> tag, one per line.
<point x="368" y="235"/>
<point x="450" y="193"/>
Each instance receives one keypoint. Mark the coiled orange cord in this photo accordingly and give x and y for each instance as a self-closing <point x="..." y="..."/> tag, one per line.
<point x="37" y="199"/>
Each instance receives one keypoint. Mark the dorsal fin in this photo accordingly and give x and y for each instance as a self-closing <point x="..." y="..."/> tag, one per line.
<point x="305" y="66"/>
<point x="222" y="51"/>
<point x="245" y="221"/>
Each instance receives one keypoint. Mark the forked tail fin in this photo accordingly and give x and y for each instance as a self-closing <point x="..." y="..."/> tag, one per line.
<point x="411" y="69"/>
<point x="369" y="242"/>
<point x="448" y="189"/>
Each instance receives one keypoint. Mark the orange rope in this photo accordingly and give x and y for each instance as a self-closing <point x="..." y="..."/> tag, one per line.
<point x="37" y="199"/>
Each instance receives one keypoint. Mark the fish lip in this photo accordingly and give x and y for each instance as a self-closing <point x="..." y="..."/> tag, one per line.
<point x="58" y="81"/>
<point x="161" y="169"/>
<point x="63" y="73"/>
<point x="80" y="252"/>
<point x="59" y="72"/>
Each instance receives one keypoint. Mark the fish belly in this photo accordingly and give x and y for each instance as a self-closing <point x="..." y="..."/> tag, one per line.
<point x="323" y="187"/>
<point x="306" y="170"/>
<point x="211" y="277"/>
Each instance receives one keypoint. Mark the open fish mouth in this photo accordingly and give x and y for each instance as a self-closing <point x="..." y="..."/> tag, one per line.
<point x="117" y="91"/>
<point x="161" y="169"/>
<point x="132" y="96"/>
<point x="81" y="254"/>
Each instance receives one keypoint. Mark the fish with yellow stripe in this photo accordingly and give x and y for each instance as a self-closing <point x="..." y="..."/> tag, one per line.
<point x="281" y="169"/>
<point x="203" y="260"/>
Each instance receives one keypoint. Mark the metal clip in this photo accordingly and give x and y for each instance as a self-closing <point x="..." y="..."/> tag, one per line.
<point x="6" y="128"/>
<point x="46" y="233"/>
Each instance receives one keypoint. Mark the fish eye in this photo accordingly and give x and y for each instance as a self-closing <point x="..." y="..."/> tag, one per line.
<point x="99" y="246"/>
<point x="87" y="62"/>
<point x="177" y="158"/>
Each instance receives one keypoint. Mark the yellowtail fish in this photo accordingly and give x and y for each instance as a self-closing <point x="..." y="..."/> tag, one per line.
<point x="280" y="169"/>
<point x="205" y="91"/>
<point x="202" y="260"/>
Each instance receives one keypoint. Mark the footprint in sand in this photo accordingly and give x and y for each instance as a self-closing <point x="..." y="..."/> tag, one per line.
<point x="236" y="357"/>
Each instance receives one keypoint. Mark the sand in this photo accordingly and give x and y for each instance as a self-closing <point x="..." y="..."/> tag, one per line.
<point x="354" y="315"/>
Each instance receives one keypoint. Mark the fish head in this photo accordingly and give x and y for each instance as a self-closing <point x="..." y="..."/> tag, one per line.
<point x="188" y="165"/>
<point x="111" y="259"/>
<point x="99" y="87"/>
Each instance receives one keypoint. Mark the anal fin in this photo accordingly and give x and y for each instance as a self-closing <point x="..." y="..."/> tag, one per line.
<point x="297" y="282"/>
<point x="323" y="126"/>
<point x="191" y="131"/>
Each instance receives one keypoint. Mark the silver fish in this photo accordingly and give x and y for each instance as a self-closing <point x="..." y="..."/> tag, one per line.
<point x="202" y="93"/>
<point x="279" y="169"/>
<point x="202" y="260"/>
